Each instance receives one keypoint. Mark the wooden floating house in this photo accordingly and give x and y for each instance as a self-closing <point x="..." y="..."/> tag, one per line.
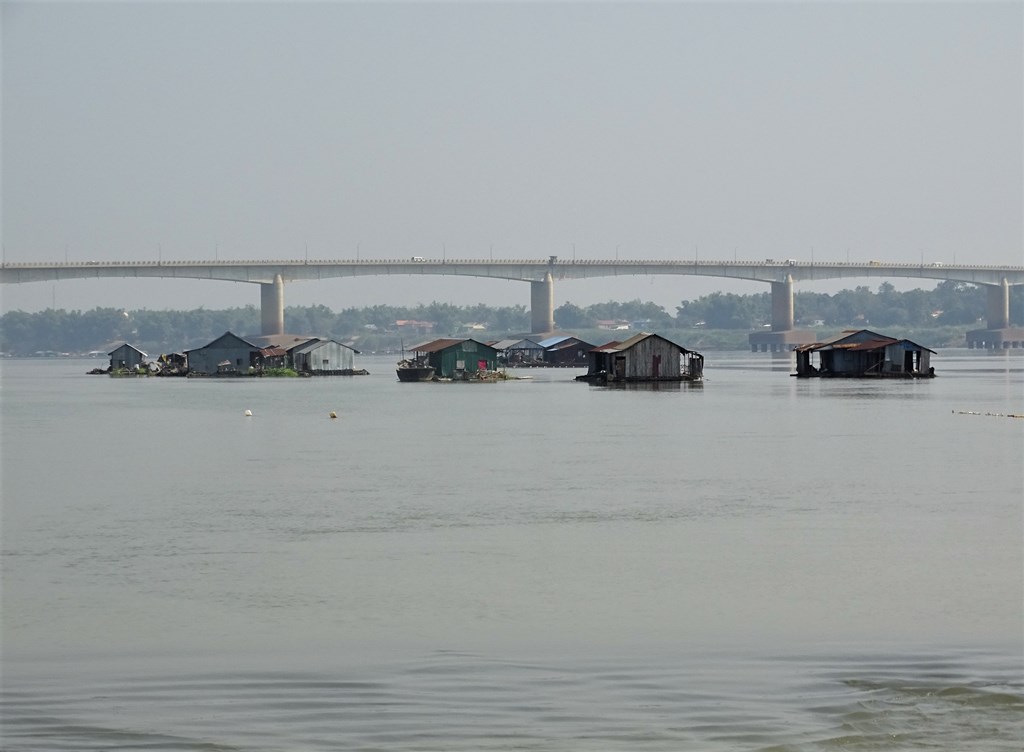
<point x="459" y="359"/>
<point x="642" y="358"/>
<point x="863" y="353"/>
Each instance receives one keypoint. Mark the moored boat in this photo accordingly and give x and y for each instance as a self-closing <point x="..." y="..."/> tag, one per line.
<point x="414" y="370"/>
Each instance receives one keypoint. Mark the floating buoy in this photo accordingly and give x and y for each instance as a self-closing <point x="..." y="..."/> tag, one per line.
<point x="990" y="415"/>
<point x="333" y="414"/>
<point x="248" y="413"/>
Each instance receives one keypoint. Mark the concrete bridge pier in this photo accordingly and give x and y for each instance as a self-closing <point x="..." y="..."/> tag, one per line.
<point x="542" y="305"/>
<point x="997" y="310"/>
<point x="782" y="305"/>
<point x="272" y="306"/>
<point x="783" y="337"/>
<point x="1000" y="334"/>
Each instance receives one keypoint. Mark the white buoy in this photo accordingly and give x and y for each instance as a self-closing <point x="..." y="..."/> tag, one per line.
<point x="333" y="414"/>
<point x="248" y="413"/>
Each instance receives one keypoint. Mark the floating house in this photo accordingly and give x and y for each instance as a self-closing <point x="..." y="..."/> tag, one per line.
<point x="228" y="355"/>
<point x="324" y="357"/>
<point x="315" y="356"/>
<point x="461" y="358"/>
<point x="126" y="357"/>
<point x="565" y="351"/>
<point x="519" y="352"/>
<point x="643" y="357"/>
<point x="863" y="353"/>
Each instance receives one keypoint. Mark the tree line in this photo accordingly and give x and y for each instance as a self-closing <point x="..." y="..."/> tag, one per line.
<point x="950" y="304"/>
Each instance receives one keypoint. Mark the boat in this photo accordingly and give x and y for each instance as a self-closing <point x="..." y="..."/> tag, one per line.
<point x="415" y="370"/>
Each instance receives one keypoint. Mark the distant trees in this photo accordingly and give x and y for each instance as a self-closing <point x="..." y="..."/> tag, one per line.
<point x="950" y="304"/>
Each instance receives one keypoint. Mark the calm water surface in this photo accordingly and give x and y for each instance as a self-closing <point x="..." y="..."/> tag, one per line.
<point x="757" y="563"/>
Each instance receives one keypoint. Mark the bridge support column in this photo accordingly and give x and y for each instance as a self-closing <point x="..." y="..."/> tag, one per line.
<point x="782" y="305"/>
<point x="999" y="335"/>
<point x="783" y="338"/>
<point x="542" y="305"/>
<point x="272" y="306"/>
<point x="997" y="311"/>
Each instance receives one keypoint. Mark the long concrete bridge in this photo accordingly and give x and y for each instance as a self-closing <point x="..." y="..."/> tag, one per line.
<point x="271" y="276"/>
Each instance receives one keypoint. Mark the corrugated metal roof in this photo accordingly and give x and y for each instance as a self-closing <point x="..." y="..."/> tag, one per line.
<point x="286" y="341"/>
<point x="552" y="341"/>
<point x="226" y="334"/>
<point x="130" y="347"/>
<point x="504" y="344"/>
<point x="316" y="342"/>
<point x="920" y="347"/>
<point x="525" y="344"/>
<point x="273" y="352"/>
<point x="867" y="346"/>
<point x="840" y="341"/>
<point x="636" y="338"/>
<point x="438" y="344"/>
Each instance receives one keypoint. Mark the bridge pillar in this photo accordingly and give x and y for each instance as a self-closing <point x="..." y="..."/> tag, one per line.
<point x="783" y="337"/>
<point x="272" y="306"/>
<point x="1000" y="334"/>
<point x="542" y="305"/>
<point x="998" y="308"/>
<point x="782" y="305"/>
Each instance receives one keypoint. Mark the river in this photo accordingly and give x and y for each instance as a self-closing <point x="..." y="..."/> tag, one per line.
<point x="754" y="563"/>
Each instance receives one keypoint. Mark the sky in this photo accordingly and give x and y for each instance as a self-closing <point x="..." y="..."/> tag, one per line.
<point x="231" y="130"/>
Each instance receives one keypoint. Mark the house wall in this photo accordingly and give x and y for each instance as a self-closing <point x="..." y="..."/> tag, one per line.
<point x="896" y="353"/>
<point x="337" y="356"/>
<point x="854" y="362"/>
<point x="446" y="362"/>
<point x="640" y="359"/>
<point x="129" y="355"/>
<point x="573" y="354"/>
<point x="205" y="359"/>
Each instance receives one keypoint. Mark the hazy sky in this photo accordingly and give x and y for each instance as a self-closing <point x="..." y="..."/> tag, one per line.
<point x="888" y="131"/>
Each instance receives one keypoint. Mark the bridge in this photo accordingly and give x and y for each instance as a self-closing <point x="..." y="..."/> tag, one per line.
<point x="271" y="276"/>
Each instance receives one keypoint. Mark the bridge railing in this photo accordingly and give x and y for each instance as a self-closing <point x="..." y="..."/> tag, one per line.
<point x="881" y="265"/>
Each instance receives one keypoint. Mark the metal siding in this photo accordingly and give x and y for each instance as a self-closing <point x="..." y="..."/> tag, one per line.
<point x="639" y="359"/>
<point x="208" y="358"/>
<point x="445" y="362"/>
<point x="129" y="355"/>
<point x="338" y="357"/>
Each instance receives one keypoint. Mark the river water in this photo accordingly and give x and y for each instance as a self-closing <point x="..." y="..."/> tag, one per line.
<point x="755" y="563"/>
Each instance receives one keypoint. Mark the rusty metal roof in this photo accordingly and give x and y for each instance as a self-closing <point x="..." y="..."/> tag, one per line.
<point x="628" y="343"/>
<point x="838" y="342"/>
<point x="273" y="352"/>
<point x="438" y="344"/>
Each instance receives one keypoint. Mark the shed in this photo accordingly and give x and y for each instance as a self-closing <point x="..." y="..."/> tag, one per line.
<point x="313" y="356"/>
<point x="462" y="358"/>
<point x="523" y="352"/>
<point x="229" y="354"/>
<point x="863" y="353"/>
<point x="272" y="357"/>
<point x="643" y="357"/>
<point x="126" y="357"/>
<point x="322" y="357"/>
<point x="565" y="350"/>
